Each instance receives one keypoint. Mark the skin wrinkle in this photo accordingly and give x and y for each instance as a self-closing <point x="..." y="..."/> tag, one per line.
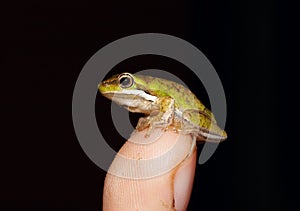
<point x="156" y="193"/>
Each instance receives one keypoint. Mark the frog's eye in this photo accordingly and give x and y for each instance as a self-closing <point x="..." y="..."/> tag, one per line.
<point x="125" y="80"/>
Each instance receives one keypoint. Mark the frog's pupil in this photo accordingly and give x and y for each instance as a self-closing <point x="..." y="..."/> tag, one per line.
<point x="125" y="81"/>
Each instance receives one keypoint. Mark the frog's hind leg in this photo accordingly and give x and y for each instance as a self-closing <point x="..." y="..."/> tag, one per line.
<point x="158" y="118"/>
<point x="193" y="119"/>
<point x="202" y="126"/>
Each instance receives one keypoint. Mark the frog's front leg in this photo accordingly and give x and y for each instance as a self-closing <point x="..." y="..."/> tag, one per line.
<point x="158" y="118"/>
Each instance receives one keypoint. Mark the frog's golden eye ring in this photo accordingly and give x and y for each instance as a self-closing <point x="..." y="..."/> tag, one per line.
<point x="126" y="80"/>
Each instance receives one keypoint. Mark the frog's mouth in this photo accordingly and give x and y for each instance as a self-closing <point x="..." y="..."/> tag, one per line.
<point x="125" y="95"/>
<point x="134" y="101"/>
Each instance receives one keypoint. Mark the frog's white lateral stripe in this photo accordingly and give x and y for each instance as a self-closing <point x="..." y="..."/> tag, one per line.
<point x="136" y="92"/>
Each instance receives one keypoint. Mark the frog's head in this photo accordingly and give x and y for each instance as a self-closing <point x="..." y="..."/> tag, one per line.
<point x="126" y="89"/>
<point x="117" y="83"/>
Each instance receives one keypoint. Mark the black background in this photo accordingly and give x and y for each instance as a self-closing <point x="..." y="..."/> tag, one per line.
<point x="251" y="45"/>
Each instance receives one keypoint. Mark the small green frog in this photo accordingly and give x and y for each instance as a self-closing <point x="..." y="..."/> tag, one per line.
<point x="165" y="103"/>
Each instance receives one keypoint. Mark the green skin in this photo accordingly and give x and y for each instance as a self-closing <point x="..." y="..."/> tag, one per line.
<point x="165" y="103"/>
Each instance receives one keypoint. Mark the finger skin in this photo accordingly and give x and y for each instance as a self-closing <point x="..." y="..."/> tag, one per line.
<point x="183" y="182"/>
<point x="168" y="191"/>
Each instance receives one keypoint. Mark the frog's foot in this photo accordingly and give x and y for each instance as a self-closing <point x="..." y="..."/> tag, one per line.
<point x="162" y="118"/>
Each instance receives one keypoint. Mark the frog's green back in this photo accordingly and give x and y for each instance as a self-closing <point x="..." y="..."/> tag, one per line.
<point x="184" y="98"/>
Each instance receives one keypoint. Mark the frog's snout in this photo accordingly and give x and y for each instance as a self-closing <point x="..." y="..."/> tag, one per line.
<point x="101" y="86"/>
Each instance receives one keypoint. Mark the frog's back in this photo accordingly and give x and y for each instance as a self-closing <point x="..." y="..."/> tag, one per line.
<point x="184" y="98"/>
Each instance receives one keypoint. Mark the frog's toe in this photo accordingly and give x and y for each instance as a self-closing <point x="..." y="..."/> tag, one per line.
<point x="142" y="124"/>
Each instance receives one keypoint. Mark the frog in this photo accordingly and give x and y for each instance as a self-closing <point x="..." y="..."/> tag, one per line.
<point x="165" y="103"/>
